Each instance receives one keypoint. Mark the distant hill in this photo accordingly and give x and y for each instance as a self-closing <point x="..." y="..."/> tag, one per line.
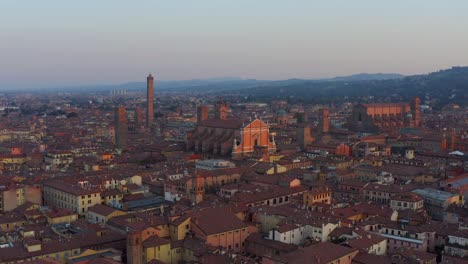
<point x="367" y="77"/>
<point x="213" y="84"/>
<point x="437" y="88"/>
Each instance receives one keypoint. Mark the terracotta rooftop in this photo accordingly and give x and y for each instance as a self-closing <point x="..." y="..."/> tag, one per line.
<point x="102" y="209"/>
<point x="154" y="241"/>
<point x="228" y="123"/>
<point x="216" y="220"/>
<point x="71" y="188"/>
<point x="365" y="242"/>
<point x="319" y="254"/>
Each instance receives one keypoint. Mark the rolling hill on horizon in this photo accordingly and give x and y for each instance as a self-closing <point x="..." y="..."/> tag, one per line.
<point x="437" y="88"/>
<point x="207" y="84"/>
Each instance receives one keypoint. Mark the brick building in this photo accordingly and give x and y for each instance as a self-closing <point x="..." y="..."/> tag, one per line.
<point x="387" y="116"/>
<point x="229" y="136"/>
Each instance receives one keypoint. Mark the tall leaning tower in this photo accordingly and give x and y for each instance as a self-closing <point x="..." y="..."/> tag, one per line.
<point x="149" y="101"/>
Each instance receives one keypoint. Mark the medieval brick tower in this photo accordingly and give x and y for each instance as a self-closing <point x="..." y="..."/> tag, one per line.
<point x="221" y="109"/>
<point x="303" y="135"/>
<point x="416" y="111"/>
<point x="134" y="248"/>
<point x="198" y="190"/>
<point x="325" y="118"/>
<point x="149" y="101"/>
<point x="202" y="113"/>
<point x="121" y="128"/>
<point x="138" y="117"/>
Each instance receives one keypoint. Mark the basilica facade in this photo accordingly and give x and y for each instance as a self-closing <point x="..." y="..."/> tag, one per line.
<point x="225" y="136"/>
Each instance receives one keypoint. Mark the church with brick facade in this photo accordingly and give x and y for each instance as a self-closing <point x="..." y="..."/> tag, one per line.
<point x="385" y="117"/>
<point x="235" y="137"/>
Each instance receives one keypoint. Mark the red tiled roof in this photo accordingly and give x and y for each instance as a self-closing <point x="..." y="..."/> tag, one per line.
<point x="154" y="241"/>
<point x="71" y="188"/>
<point x="80" y="240"/>
<point x="365" y="242"/>
<point x="265" y="194"/>
<point x="217" y="123"/>
<point x="320" y="253"/>
<point x="216" y="220"/>
<point x="101" y="209"/>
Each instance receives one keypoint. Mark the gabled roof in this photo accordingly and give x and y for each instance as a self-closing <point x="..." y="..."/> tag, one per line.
<point x="102" y="209"/>
<point x="325" y="252"/>
<point x="216" y="220"/>
<point x="219" y="123"/>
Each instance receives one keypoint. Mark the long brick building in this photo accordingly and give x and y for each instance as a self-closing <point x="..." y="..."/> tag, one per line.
<point x="385" y="117"/>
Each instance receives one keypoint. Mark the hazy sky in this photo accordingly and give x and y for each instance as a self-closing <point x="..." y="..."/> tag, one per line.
<point x="54" y="43"/>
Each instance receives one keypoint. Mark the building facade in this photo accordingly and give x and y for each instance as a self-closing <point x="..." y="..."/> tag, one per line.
<point x="385" y="116"/>
<point x="229" y="136"/>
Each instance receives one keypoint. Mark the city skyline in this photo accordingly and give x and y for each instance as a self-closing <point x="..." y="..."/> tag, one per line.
<point x="254" y="132"/>
<point x="58" y="44"/>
